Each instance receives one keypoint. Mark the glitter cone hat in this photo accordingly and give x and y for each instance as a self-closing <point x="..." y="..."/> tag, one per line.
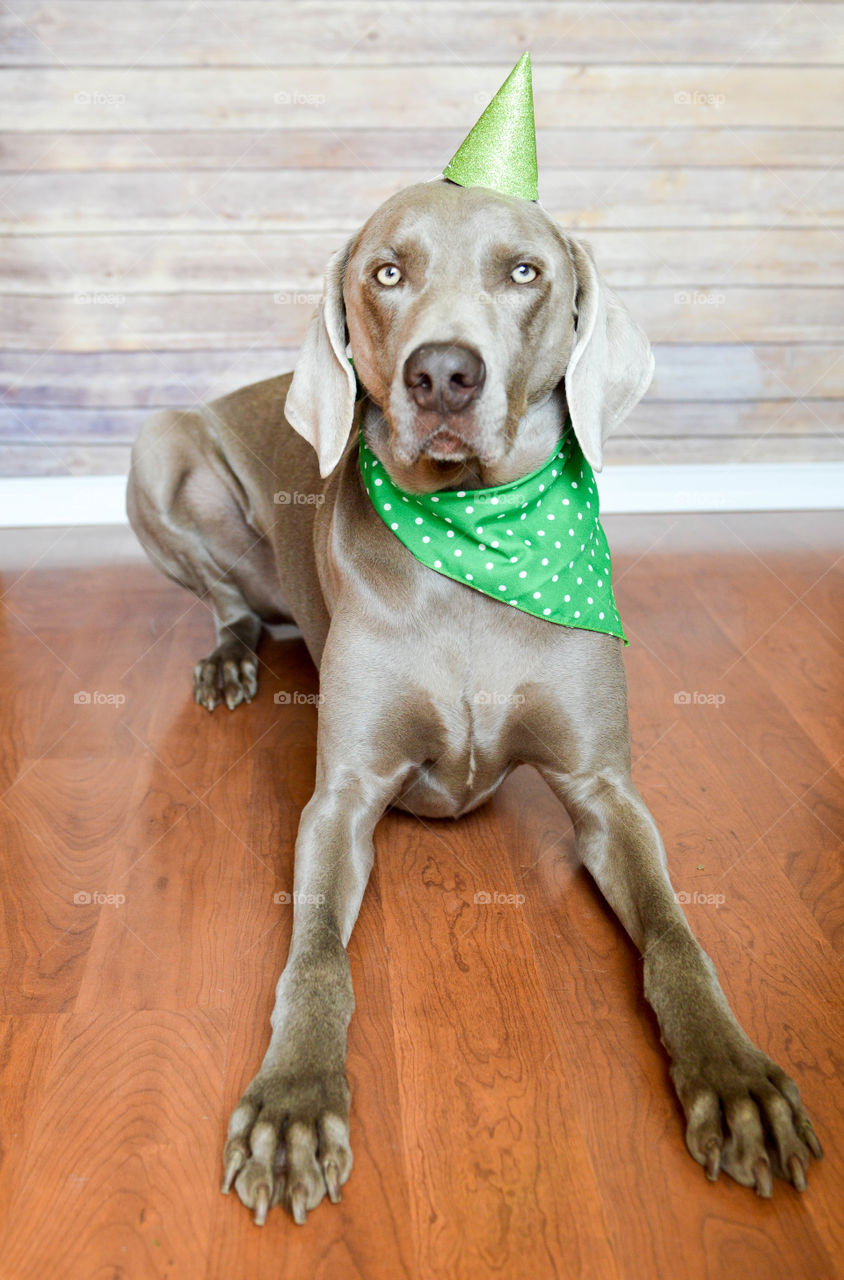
<point x="500" y="150"/>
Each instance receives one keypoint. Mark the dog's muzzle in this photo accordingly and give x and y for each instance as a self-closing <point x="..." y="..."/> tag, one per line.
<point x="443" y="381"/>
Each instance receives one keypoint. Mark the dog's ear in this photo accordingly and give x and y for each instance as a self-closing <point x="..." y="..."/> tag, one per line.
<point x="321" y="400"/>
<point x="611" y="362"/>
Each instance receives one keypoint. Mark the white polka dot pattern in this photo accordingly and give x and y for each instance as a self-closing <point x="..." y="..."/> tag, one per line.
<point x="536" y="544"/>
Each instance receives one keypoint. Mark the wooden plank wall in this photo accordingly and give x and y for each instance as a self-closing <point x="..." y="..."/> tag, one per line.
<point x="173" y="176"/>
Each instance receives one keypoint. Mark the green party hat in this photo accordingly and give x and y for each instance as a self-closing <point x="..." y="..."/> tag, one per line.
<point x="500" y="150"/>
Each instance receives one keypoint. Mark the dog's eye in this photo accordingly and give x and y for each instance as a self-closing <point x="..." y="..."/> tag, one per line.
<point x="388" y="275"/>
<point x="523" y="273"/>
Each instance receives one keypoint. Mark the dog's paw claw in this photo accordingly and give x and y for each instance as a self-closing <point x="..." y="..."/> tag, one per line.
<point x="223" y="678"/>
<point x="763" y="1178"/>
<point x="713" y="1159"/>
<point x="262" y="1204"/>
<point x="298" y="1204"/>
<point x="744" y="1117"/>
<point x="233" y="1167"/>
<point x="332" y="1181"/>
<point x="288" y="1143"/>
<point x="797" y="1173"/>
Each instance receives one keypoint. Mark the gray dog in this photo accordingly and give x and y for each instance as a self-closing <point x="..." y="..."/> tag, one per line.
<point x="478" y="330"/>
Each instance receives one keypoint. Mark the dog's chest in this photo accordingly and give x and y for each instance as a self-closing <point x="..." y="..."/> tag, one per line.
<point x="473" y="705"/>
<point x="463" y="769"/>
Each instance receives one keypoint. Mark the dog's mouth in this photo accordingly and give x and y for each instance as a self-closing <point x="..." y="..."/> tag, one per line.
<point x="442" y="459"/>
<point x="435" y="450"/>
<point x="446" y="445"/>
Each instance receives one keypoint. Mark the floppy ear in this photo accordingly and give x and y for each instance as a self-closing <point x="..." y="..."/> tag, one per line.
<point x="321" y="400"/>
<point x="611" y="362"/>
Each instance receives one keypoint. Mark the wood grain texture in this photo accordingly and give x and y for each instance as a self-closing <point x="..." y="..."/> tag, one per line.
<point x="512" y="1113"/>
<point x="175" y="176"/>
<point x="658" y="96"/>
<point x="581" y="145"/>
<point x="167" y="33"/>
<point x="317" y="200"/>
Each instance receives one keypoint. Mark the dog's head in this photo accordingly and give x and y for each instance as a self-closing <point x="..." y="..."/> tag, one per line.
<point x="468" y="314"/>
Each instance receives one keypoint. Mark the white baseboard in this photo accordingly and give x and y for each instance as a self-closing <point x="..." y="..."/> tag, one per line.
<point x="751" y="486"/>
<point x="31" y="501"/>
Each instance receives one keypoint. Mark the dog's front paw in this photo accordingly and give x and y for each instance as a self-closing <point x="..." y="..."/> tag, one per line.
<point x="744" y="1115"/>
<point x="288" y="1143"/>
<point x="229" y="676"/>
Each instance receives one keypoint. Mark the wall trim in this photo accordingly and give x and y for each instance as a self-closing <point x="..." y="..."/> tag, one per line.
<point x="31" y="501"/>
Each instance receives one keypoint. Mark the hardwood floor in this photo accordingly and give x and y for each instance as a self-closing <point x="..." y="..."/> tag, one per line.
<point x="512" y="1113"/>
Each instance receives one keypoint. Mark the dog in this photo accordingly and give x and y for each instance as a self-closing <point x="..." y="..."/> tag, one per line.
<point x="477" y="329"/>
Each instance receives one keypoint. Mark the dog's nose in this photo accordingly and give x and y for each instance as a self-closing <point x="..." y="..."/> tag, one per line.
<point x="444" y="376"/>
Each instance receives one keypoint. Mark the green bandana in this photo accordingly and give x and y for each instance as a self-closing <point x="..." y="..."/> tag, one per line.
<point x="536" y="543"/>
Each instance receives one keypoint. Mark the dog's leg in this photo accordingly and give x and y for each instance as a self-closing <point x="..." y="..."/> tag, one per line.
<point x="187" y="516"/>
<point x="230" y="672"/>
<point x="288" y="1138"/>
<point x="743" y="1113"/>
